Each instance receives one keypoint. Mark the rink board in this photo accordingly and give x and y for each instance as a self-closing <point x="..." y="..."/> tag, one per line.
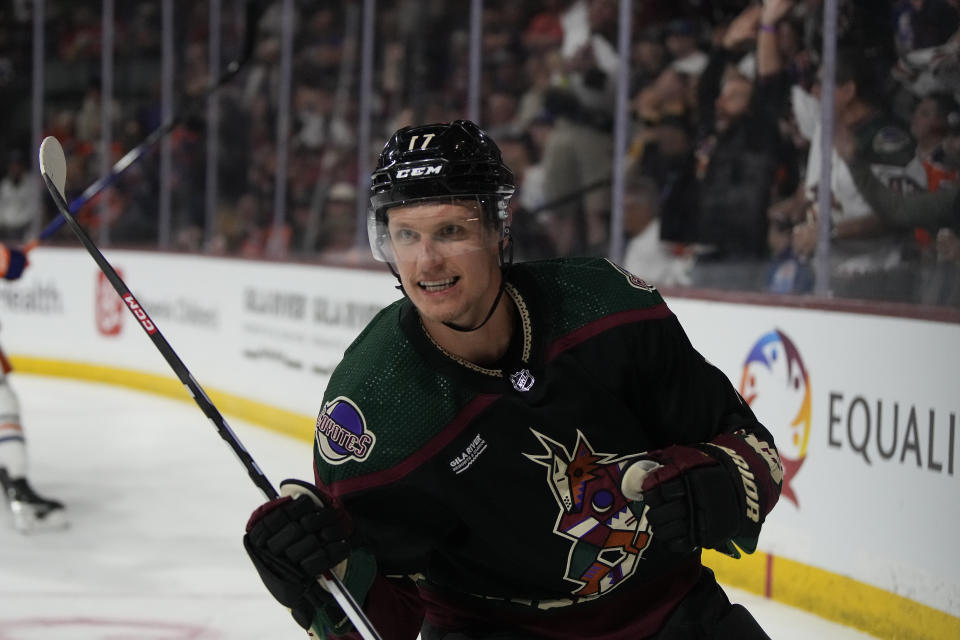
<point x="863" y="408"/>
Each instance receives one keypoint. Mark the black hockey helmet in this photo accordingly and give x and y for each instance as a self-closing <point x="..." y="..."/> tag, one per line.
<point x="455" y="160"/>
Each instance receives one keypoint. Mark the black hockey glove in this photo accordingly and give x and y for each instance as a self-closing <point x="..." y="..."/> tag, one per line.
<point x="294" y="539"/>
<point x="693" y="498"/>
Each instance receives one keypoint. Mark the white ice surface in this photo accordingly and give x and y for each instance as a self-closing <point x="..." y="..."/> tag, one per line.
<point x="157" y="503"/>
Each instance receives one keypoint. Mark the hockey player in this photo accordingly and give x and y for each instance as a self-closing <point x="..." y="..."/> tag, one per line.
<point x="514" y="451"/>
<point x="30" y="511"/>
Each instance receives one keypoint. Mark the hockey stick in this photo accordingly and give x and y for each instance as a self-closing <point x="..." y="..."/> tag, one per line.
<point x="53" y="169"/>
<point x="254" y="10"/>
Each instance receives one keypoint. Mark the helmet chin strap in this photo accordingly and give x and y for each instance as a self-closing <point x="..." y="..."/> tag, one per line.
<point x="506" y="260"/>
<point x="493" y="307"/>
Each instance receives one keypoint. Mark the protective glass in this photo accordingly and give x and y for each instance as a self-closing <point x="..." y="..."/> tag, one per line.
<point x="441" y="228"/>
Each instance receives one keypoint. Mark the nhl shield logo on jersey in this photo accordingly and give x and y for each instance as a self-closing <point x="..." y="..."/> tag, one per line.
<point x="522" y="380"/>
<point x="608" y="533"/>
<point x="342" y="433"/>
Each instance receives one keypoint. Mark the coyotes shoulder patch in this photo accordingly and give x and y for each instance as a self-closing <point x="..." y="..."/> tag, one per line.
<point x="342" y="433"/>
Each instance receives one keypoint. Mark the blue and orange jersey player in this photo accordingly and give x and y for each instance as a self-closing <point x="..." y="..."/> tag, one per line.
<point x="30" y="511"/>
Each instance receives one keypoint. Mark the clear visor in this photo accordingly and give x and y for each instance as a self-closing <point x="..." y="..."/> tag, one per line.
<point x="431" y="228"/>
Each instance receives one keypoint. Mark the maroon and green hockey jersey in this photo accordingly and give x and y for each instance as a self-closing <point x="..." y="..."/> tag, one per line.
<point x="489" y="496"/>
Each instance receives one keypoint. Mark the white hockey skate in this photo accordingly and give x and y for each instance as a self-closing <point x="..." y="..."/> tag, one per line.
<point x="31" y="512"/>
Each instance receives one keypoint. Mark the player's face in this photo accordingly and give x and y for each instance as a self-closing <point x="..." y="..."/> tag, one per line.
<point x="447" y="259"/>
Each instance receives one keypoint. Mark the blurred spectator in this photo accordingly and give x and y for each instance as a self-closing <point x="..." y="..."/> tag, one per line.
<point x="658" y="262"/>
<point x="861" y="248"/>
<point x="575" y="23"/>
<point x="81" y="35"/>
<point x="315" y="122"/>
<point x="90" y="118"/>
<point x="187" y="189"/>
<point x="936" y="212"/>
<point x="545" y="29"/>
<point x="590" y="56"/>
<point x="263" y="77"/>
<point x="338" y="240"/>
<point x="520" y="153"/>
<point x="797" y="61"/>
<point x="921" y="24"/>
<point x="131" y="223"/>
<point x="739" y="150"/>
<point x="682" y="40"/>
<point x="929" y="125"/>
<point x="538" y="69"/>
<point x="145" y="28"/>
<point x="668" y="95"/>
<point x="934" y="69"/>
<point x="338" y="220"/>
<point x="664" y="152"/>
<point x="319" y="45"/>
<point x="503" y="48"/>
<point x="931" y="209"/>
<point x="577" y="163"/>
<point x="789" y="270"/>
<point x="237" y="225"/>
<point x="19" y="198"/>
<point x="943" y="285"/>
<point x="648" y="58"/>
<point x="861" y="26"/>
<point x="277" y="238"/>
<point x="499" y="113"/>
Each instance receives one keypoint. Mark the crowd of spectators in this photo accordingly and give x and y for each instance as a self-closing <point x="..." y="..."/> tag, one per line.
<point x="730" y="133"/>
<point x="724" y="154"/>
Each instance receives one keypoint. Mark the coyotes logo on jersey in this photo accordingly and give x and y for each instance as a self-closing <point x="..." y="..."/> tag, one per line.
<point x="608" y="533"/>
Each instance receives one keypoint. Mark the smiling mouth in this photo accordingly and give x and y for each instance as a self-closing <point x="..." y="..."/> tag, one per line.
<point x="438" y="285"/>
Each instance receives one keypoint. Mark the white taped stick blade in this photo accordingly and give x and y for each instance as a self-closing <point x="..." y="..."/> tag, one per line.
<point x="53" y="163"/>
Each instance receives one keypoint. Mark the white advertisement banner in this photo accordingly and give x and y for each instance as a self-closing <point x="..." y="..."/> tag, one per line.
<point x="864" y="413"/>
<point x="269" y="332"/>
<point x="863" y="408"/>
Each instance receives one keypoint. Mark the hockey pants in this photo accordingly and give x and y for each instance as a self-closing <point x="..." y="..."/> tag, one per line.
<point x="704" y="614"/>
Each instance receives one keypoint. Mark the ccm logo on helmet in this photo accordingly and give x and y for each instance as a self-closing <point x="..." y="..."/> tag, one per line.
<point x="419" y="172"/>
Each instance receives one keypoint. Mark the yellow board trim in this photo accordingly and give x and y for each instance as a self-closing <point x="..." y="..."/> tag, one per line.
<point x="834" y="597"/>
<point x="829" y="595"/>
<point x="297" y="425"/>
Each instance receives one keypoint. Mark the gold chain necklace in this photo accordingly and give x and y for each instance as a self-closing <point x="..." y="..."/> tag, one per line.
<point x="524" y="325"/>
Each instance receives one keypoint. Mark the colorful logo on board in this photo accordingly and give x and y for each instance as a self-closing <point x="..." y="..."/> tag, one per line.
<point x="776" y="385"/>
<point x="342" y="433"/>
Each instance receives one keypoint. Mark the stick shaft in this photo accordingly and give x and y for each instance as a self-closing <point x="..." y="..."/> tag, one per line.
<point x="150" y="328"/>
